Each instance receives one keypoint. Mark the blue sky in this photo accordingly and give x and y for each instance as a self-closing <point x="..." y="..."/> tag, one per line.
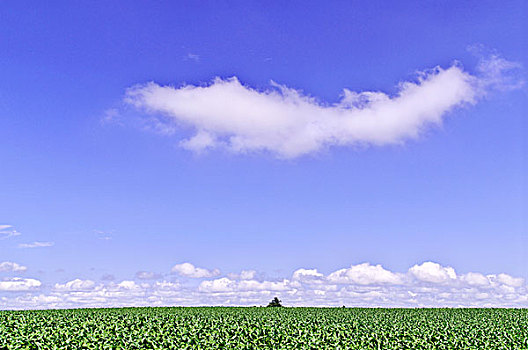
<point x="123" y="158"/>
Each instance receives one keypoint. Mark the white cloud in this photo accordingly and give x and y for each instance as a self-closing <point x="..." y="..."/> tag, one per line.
<point x="247" y="274"/>
<point x="475" y="279"/>
<point x="500" y="74"/>
<point x="219" y="285"/>
<point x="8" y="266"/>
<point x="199" y="142"/>
<point x="111" y="115"/>
<point x="7" y="231"/>
<point x="127" y="285"/>
<point x="193" y="57"/>
<point x="433" y="273"/>
<point x="75" y="285"/>
<point x="365" y="274"/>
<point x="18" y="284"/>
<point x="289" y="123"/>
<point x="308" y="276"/>
<point x="165" y="285"/>
<point x="226" y="285"/>
<point x="36" y="244"/>
<point x="364" y="285"/>
<point x="147" y="275"/>
<point x="104" y="235"/>
<point x="509" y="280"/>
<point x="189" y="270"/>
<point x="243" y="275"/>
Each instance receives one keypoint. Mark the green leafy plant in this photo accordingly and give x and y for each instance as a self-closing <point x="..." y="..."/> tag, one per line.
<point x="264" y="328"/>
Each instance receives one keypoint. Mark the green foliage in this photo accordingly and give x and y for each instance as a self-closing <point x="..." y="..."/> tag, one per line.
<point x="275" y="303"/>
<point x="265" y="328"/>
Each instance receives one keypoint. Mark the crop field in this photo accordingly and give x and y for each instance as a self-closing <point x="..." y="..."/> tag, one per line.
<point x="264" y="328"/>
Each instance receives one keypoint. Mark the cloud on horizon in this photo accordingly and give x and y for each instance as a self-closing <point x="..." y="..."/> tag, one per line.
<point x="191" y="271"/>
<point x="18" y="284"/>
<point x="364" y="285"/>
<point x="288" y="123"/>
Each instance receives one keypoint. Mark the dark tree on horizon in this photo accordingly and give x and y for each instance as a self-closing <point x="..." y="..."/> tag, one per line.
<point x="275" y="303"/>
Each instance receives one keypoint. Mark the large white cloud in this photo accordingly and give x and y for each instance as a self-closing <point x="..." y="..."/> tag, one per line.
<point x="433" y="273"/>
<point x="189" y="270"/>
<point x="365" y="274"/>
<point x="423" y="285"/>
<point x="289" y="123"/>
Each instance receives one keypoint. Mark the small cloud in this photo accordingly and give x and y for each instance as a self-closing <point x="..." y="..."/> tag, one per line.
<point x="189" y="270"/>
<point x="104" y="235"/>
<point x="9" y="266"/>
<point x="130" y="285"/>
<point x="497" y="73"/>
<point x="75" y="285"/>
<point x="166" y="286"/>
<point x="7" y="231"/>
<point x="192" y="57"/>
<point x="199" y="142"/>
<point x="243" y="275"/>
<point x="36" y="244"/>
<point x="147" y="275"/>
<point x="111" y="116"/>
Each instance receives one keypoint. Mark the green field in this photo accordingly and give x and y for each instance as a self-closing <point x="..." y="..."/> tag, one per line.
<point x="265" y="328"/>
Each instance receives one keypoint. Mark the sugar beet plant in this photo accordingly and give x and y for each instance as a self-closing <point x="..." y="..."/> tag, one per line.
<point x="265" y="328"/>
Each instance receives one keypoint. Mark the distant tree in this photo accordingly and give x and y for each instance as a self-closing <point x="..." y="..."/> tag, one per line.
<point x="275" y="303"/>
